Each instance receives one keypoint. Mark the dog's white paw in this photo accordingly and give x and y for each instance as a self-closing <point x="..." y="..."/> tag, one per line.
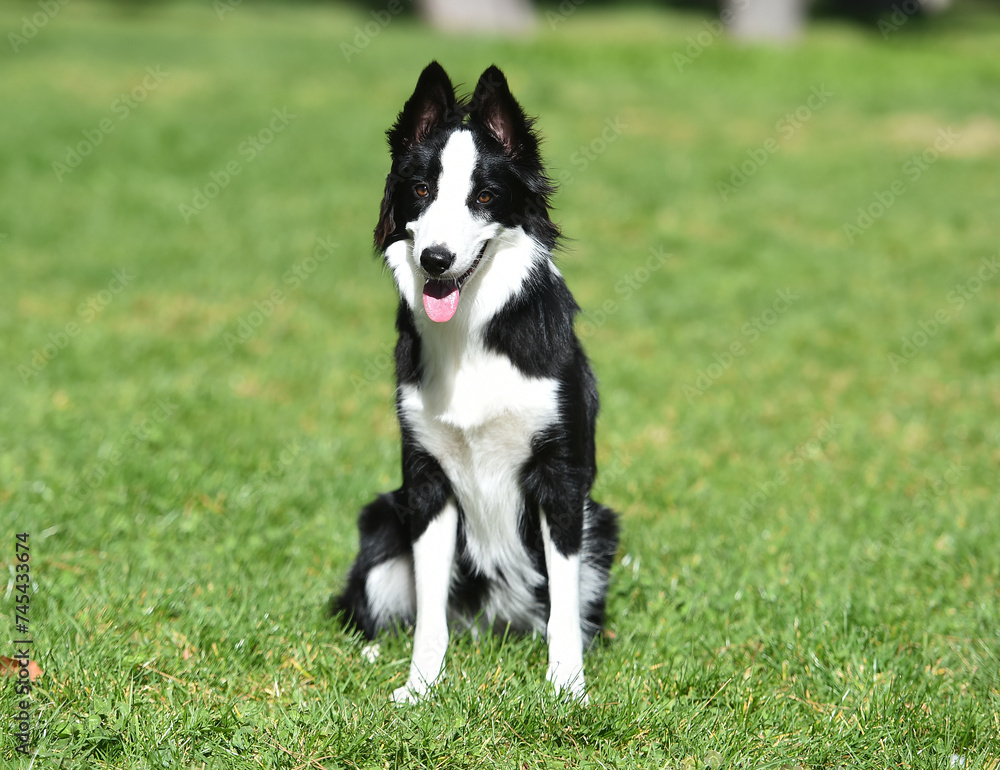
<point x="411" y="692"/>
<point x="404" y="695"/>
<point x="569" y="680"/>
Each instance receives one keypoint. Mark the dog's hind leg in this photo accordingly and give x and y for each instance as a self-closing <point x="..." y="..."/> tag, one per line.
<point x="380" y="593"/>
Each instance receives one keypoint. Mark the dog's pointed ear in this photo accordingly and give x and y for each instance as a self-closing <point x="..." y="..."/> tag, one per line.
<point x="432" y="102"/>
<point x="495" y="109"/>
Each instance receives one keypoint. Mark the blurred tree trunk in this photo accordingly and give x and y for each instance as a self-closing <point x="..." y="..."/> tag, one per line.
<point x="764" y="19"/>
<point x="509" y="16"/>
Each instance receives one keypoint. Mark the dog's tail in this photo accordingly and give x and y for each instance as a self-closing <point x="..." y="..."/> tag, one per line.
<point x="380" y="593"/>
<point x="597" y="554"/>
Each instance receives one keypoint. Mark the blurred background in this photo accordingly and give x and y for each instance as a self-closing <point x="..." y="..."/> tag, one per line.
<point x="189" y="190"/>
<point x="781" y="223"/>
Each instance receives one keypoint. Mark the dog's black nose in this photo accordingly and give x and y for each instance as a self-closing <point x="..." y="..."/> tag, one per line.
<point x="435" y="260"/>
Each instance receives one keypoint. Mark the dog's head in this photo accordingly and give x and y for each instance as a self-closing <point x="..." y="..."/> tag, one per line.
<point x="466" y="202"/>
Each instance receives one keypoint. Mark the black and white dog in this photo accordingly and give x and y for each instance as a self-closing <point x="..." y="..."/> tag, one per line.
<point x="493" y="526"/>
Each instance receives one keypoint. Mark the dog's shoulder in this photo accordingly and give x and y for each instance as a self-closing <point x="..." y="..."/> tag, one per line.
<point x="534" y="330"/>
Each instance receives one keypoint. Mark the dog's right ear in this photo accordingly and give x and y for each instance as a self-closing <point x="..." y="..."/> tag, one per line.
<point x="432" y="102"/>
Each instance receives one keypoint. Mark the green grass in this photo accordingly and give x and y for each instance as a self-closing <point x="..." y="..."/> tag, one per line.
<point x="809" y="562"/>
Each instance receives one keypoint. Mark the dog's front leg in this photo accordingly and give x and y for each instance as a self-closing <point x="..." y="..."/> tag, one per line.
<point x="433" y="556"/>
<point x="563" y="631"/>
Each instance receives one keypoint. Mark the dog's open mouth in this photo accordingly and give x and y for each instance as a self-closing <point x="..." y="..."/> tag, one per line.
<point x="441" y="297"/>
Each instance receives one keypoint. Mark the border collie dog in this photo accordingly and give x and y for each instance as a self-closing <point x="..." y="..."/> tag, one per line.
<point x="493" y="527"/>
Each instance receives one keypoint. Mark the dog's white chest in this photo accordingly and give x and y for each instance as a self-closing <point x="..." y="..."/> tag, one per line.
<point x="479" y="420"/>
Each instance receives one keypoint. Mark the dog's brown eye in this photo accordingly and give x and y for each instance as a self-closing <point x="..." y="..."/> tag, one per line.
<point x="421" y="190"/>
<point x="485" y="196"/>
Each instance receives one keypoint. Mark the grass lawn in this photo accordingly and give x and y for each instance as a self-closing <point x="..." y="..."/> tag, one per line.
<point x="788" y="264"/>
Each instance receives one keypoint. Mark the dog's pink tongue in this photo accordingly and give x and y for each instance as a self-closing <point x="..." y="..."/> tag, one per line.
<point x="440" y="300"/>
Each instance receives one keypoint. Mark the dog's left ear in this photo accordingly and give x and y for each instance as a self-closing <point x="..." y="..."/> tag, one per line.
<point x="495" y="109"/>
<point x="433" y="103"/>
